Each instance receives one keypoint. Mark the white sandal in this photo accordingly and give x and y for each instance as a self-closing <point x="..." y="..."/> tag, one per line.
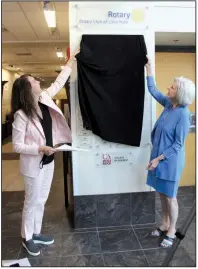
<point x="158" y="232"/>
<point x="167" y="242"/>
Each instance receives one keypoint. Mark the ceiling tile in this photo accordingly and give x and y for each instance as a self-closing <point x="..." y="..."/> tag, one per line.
<point x="39" y="25"/>
<point x="29" y="6"/>
<point x="17" y="23"/>
<point x="61" y="7"/>
<point x="10" y="6"/>
<point x="63" y="25"/>
<point x="7" y="36"/>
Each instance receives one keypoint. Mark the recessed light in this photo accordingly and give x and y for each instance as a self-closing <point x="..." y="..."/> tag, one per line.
<point x="59" y="54"/>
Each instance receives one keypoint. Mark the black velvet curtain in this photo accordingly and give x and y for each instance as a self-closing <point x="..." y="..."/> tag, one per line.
<point x="111" y="86"/>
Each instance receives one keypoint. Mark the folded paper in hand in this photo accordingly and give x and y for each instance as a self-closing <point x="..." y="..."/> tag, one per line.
<point x="69" y="148"/>
<point x="21" y="263"/>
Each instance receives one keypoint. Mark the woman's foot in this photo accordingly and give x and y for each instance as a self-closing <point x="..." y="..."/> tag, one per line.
<point x="167" y="242"/>
<point x="160" y="231"/>
<point x="31" y="247"/>
<point x="169" y="238"/>
<point x="43" y="239"/>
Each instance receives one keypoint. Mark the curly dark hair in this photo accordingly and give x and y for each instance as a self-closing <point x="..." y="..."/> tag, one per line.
<point x="22" y="97"/>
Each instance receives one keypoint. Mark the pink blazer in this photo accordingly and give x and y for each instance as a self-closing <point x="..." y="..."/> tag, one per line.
<point x="28" y="135"/>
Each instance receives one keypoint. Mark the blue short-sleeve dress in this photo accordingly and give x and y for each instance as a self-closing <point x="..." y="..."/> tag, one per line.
<point x="168" y="138"/>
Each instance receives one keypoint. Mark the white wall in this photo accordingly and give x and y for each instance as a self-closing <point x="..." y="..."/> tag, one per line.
<point x="175" y="4"/>
<point x="174" y="19"/>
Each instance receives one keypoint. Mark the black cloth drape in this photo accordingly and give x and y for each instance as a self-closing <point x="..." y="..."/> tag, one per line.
<point x="111" y="86"/>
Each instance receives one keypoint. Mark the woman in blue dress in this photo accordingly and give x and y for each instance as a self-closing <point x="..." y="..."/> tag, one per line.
<point x="168" y="153"/>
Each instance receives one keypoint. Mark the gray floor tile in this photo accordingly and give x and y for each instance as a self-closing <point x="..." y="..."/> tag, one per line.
<point x="156" y="257"/>
<point x="193" y="257"/>
<point x="44" y="262"/>
<point x="83" y="230"/>
<point x="143" y="226"/>
<point x="13" y="196"/>
<point x="53" y="250"/>
<point x="114" y="228"/>
<point x="186" y="200"/>
<point x="186" y="190"/>
<point x="82" y="261"/>
<point x="189" y="242"/>
<point x="52" y="221"/>
<point x="51" y="227"/>
<point x="11" y="227"/>
<point x="126" y="259"/>
<point x="67" y="227"/>
<point x="12" y="207"/>
<point x="8" y="197"/>
<point x="80" y="243"/>
<point x="182" y="259"/>
<point x="10" y="247"/>
<point x="118" y="240"/>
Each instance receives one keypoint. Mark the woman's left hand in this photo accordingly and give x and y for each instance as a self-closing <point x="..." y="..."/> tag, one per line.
<point x="153" y="164"/>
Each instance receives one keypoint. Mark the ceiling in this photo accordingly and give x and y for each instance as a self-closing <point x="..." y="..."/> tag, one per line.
<point x="181" y="39"/>
<point x="28" y="44"/>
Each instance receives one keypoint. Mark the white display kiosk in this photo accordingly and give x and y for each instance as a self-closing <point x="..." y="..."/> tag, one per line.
<point x="97" y="186"/>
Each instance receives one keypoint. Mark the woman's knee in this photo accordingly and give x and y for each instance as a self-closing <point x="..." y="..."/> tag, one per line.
<point x="31" y="200"/>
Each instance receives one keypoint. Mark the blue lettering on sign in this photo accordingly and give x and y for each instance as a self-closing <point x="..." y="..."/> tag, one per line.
<point x="124" y="15"/>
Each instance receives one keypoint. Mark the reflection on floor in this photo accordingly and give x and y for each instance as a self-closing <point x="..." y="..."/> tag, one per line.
<point x="110" y="246"/>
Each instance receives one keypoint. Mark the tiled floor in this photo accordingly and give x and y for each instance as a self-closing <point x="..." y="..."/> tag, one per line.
<point x="110" y="246"/>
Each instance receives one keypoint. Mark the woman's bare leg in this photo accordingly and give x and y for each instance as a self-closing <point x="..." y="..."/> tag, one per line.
<point x="173" y="215"/>
<point x="165" y="213"/>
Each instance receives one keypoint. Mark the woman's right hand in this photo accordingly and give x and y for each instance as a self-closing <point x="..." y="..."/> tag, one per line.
<point x="148" y="66"/>
<point x="46" y="150"/>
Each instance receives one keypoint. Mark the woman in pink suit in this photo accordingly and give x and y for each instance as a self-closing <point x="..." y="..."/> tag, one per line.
<point x="38" y="125"/>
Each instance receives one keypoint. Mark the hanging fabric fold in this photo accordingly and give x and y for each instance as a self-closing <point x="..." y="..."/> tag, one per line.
<point x="111" y="86"/>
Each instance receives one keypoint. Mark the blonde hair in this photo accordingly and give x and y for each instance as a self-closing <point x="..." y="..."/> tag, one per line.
<point x="185" y="91"/>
